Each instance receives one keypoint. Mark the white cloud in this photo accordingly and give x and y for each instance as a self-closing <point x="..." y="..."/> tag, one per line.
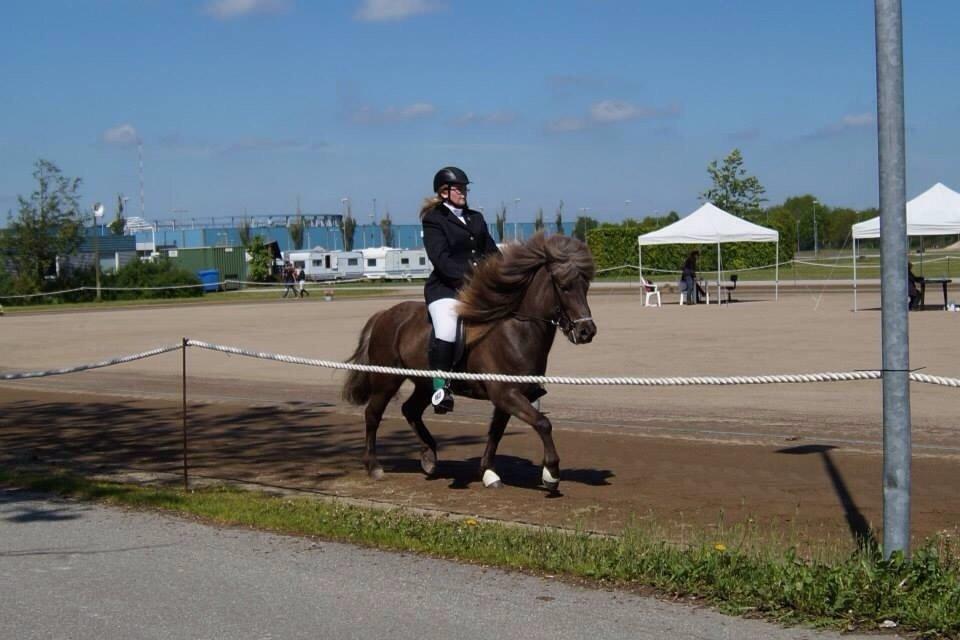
<point x="850" y="122"/>
<point x="867" y="119"/>
<point x="384" y="10"/>
<point x="607" y="111"/>
<point x="369" y="115"/>
<point x="230" y="9"/>
<point x="495" y="118"/>
<point x="562" y="125"/>
<point x="121" y="135"/>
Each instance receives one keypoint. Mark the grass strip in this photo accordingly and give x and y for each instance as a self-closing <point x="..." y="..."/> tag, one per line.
<point x="856" y="592"/>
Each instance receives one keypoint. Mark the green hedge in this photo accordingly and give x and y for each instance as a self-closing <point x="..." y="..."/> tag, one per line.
<point x="617" y="246"/>
<point x="142" y="276"/>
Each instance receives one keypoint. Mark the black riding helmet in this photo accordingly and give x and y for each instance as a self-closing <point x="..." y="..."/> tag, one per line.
<point x="449" y="175"/>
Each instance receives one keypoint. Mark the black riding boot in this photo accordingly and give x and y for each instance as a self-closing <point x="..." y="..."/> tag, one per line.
<point x="441" y="357"/>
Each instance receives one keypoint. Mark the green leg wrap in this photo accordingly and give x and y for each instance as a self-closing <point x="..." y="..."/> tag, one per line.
<point x="438" y="383"/>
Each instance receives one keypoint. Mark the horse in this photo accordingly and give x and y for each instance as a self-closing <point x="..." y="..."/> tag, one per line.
<point x="511" y="305"/>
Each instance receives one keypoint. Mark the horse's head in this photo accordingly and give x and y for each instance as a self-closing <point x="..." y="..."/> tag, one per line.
<point x="545" y="279"/>
<point x="570" y="267"/>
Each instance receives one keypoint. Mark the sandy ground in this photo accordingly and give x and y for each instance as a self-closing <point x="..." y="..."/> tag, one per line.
<point x="806" y="457"/>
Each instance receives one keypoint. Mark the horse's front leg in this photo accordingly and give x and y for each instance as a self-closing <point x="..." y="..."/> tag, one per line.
<point x="511" y="400"/>
<point x="498" y="424"/>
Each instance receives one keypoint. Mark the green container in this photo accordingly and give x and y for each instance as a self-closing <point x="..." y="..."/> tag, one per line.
<point x="229" y="261"/>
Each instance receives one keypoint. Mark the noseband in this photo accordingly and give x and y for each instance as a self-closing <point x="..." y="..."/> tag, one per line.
<point x="560" y="316"/>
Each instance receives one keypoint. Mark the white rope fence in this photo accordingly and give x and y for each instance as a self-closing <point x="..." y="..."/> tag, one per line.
<point x="794" y="378"/>
<point x="95" y="365"/>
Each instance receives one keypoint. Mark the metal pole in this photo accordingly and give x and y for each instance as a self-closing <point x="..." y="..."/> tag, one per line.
<point x="893" y="275"/>
<point x="183" y="387"/>
<point x="854" y="274"/>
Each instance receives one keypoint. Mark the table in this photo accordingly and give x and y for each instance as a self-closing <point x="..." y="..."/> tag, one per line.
<point x="941" y="281"/>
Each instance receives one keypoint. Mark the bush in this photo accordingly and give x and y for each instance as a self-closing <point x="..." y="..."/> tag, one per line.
<point x="617" y="246"/>
<point x="145" y="275"/>
<point x="139" y="276"/>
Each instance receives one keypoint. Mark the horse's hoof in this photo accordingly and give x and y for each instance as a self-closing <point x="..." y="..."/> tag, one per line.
<point x="428" y="462"/>
<point x="551" y="482"/>
<point x="491" y="480"/>
<point x="376" y="473"/>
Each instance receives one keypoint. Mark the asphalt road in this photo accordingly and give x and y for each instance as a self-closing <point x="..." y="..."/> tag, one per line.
<point x="78" y="571"/>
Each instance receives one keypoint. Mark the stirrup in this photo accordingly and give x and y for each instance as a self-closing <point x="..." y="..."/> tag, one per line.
<point x="442" y="400"/>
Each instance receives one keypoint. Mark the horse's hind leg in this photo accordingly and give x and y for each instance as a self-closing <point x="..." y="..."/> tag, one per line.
<point x="498" y="424"/>
<point x="413" y="410"/>
<point x="385" y="387"/>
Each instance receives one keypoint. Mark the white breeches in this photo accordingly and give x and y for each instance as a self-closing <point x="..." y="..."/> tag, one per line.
<point x="443" y="314"/>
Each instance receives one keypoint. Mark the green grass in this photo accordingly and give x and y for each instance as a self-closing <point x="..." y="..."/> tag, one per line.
<point x="731" y="568"/>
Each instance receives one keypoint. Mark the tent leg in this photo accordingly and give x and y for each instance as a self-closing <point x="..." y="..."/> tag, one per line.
<point x="854" y="275"/>
<point x="776" y="275"/>
<point x="718" y="275"/>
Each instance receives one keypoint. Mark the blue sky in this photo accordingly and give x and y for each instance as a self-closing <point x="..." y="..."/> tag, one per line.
<point x="615" y="107"/>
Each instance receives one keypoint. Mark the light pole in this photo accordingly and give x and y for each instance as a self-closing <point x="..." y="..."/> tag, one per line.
<point x="97" y="217"/>
<point x="345" y="209"/>
<point x="798" y="236"/>
<point x="372" y="229"/>
<point x="516" y="209"/>
<point x="814" y="228"/>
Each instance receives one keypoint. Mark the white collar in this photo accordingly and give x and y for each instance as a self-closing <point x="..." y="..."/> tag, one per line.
<point x="454" y="210"/>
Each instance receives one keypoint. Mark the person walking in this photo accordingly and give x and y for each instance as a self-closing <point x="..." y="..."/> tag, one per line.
<point x="302" y="282"/>
<point x="456" y="239"/>
<point x="288" y="280"/>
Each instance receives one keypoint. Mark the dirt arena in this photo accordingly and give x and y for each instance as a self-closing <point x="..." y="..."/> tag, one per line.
<point x="803" y="458"/>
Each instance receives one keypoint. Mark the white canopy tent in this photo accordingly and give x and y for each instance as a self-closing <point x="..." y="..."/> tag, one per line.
<point x="935" y="212"/>
<point x="711" y="225"/>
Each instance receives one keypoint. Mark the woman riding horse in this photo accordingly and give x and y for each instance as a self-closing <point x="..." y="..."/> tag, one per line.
<point x="456" y="239"/>
<point x="512" y="306"/>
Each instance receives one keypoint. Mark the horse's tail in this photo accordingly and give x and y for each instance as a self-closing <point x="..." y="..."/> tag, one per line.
<point x="357" y="388"/>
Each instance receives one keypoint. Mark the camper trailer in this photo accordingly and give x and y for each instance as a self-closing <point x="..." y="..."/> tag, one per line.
<point x="320" y="264"/>
<point x="386" y="263"/>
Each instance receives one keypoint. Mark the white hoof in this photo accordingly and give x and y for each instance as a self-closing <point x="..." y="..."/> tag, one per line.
<point x="491" y="480"/>
<point x="549" y="481"/>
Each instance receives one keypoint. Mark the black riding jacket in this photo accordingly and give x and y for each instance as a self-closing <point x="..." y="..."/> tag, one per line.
<point x="453" y="248"/>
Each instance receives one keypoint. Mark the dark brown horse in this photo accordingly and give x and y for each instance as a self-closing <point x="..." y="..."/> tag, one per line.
<point x="512" y="306"/>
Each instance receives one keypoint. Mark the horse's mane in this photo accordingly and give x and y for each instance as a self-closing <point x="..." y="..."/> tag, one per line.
<point x="496" y="287"/>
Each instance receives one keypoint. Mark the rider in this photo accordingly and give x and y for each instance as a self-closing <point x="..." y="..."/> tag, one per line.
<point x="456" y="239"/>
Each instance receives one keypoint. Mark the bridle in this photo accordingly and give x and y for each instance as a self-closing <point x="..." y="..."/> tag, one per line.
<point x="560" y="317"/>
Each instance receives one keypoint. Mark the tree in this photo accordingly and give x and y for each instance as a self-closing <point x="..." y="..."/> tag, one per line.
<point x="386" y="229"/>
<point x="733" y="190"/>
<point x="48" y="224"/>
<point x="297" y="229"/>
<point x="558" y="220"/>
<point x="582" y="226"/>
<point x="260" y="259"/>
<point x="538" y="221"/>
<point x="119" y="222"/>
<point x="347" y="227"/>
<point x="501" y="221"/>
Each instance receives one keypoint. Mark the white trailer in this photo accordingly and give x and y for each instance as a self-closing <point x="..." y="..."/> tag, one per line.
<point x="320" y="264"/>
<point x="386" y="263"/>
